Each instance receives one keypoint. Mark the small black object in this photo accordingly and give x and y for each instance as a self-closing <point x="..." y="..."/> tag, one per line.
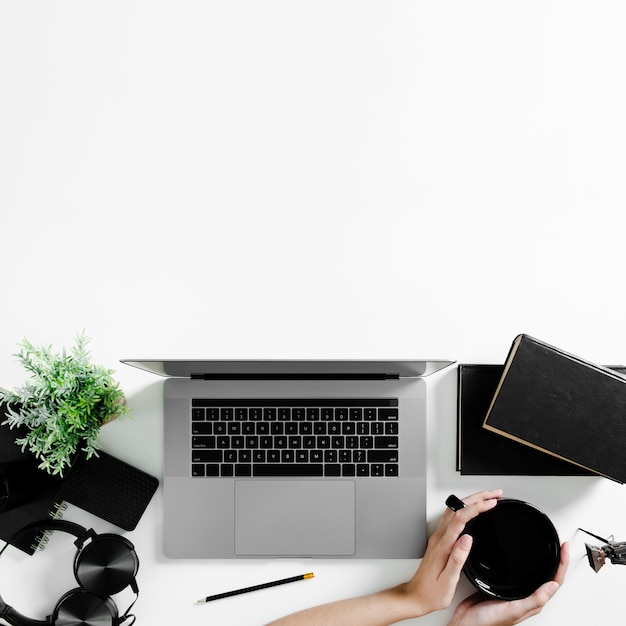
<point x="515" y="550"/>
<point x="454" y="503"/>
<point x="615" y="551"/>
<point x="103" y="566"/>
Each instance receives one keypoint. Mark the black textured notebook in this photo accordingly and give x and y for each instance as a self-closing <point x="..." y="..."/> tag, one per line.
<point x="563" y="405"/>
<point x="109" y="488"/>
<point x="481" y="452"/>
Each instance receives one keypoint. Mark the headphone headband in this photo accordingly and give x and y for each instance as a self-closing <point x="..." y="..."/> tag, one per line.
<point x="81" y="533"/>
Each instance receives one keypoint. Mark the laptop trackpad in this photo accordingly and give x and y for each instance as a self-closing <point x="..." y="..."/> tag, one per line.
<point x="294" y="518"/>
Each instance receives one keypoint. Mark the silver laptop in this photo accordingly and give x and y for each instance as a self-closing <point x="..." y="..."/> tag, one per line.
<point x="294" y="458"/>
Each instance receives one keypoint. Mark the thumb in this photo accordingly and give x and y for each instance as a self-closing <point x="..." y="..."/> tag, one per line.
<point x="535" y="602"/>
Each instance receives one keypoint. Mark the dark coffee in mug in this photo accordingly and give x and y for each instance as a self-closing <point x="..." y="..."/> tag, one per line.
<point x="515" y="550"/>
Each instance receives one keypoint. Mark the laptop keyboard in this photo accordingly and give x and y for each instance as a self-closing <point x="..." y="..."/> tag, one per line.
<point x="294" y="438"/>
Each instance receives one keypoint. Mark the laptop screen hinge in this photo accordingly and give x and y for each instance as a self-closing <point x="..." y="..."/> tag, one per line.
<point x="295" y="377"/>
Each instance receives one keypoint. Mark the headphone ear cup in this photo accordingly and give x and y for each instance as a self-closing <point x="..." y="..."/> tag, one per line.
<point x="106" y="565"/>
<point x="81" y="607"/>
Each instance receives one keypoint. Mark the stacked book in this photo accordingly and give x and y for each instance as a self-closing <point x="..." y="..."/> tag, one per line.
<point x="544" y="412"/>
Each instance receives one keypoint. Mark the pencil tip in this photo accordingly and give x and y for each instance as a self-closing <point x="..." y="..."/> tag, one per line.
<point x="309" y="575"/>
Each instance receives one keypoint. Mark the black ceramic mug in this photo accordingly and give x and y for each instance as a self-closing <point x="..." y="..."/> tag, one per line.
<point x="515" y="550"/>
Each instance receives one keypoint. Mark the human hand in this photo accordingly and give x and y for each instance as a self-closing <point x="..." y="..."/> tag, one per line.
<point x="434" y="584"/>
<point x="478" y="610"/>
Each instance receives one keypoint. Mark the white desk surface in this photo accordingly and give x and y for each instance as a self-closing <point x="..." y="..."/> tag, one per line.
<point x="314" y="180"/>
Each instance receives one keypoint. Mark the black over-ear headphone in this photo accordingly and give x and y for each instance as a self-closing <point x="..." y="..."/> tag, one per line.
<point x="103" y="566"/>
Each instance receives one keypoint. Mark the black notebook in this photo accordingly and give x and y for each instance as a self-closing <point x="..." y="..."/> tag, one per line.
<point x="481" y="452"/>
<point x="562" y="405"/>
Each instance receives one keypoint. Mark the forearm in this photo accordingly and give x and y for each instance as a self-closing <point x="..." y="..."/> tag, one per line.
<point x="378" y="609"/>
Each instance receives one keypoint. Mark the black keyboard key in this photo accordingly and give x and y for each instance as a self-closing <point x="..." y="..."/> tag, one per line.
<point x="293" y="469"/>
<point x="348" y="469"/>
<point x="312" y="414"/>
<point x="358" y="456"/>
<point x="341" y="414"/>
<point x="227" y="469"/>
<point x="203" y="442"/>
<point x="391" y="470"/>
<point x="331" y="456"/>
<point x="243" y="469"/>
<point x="363" y="469"/>
<point x="391" y="428"/>
<point x="220" y="428"/>
<point x="385" y="442"/>
<point x="273" y="456"/>
<point x="306" y="428"/>
<point x="197" y="414"/>
<point x="241" y="414"/>
<point x="382" y="456"/>
<point x="197" y="469"/>
<point x="319" y="428"/>
<point x="332" y="470"/>
<point x="338" y="442"/>
<point x="377" y="428"/>
<point x="201" y="428"/>
<point x="356" y="414"/>
<point x="212" y="470"/>
<point x="323" y="442"/>
<point x="206" y="456"/>
<point x="378" y="469"/>
<point x="388" y="414"/>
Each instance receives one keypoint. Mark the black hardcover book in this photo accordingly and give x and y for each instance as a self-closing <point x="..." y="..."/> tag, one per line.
<point x="562" y="405"/>
<point x="481" y="452"/>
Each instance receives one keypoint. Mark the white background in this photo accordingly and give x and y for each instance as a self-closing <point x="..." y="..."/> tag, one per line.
<point x="304" y="179"/>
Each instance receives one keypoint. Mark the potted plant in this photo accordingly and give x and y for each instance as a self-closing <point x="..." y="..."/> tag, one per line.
<point x="60" y="409"/>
